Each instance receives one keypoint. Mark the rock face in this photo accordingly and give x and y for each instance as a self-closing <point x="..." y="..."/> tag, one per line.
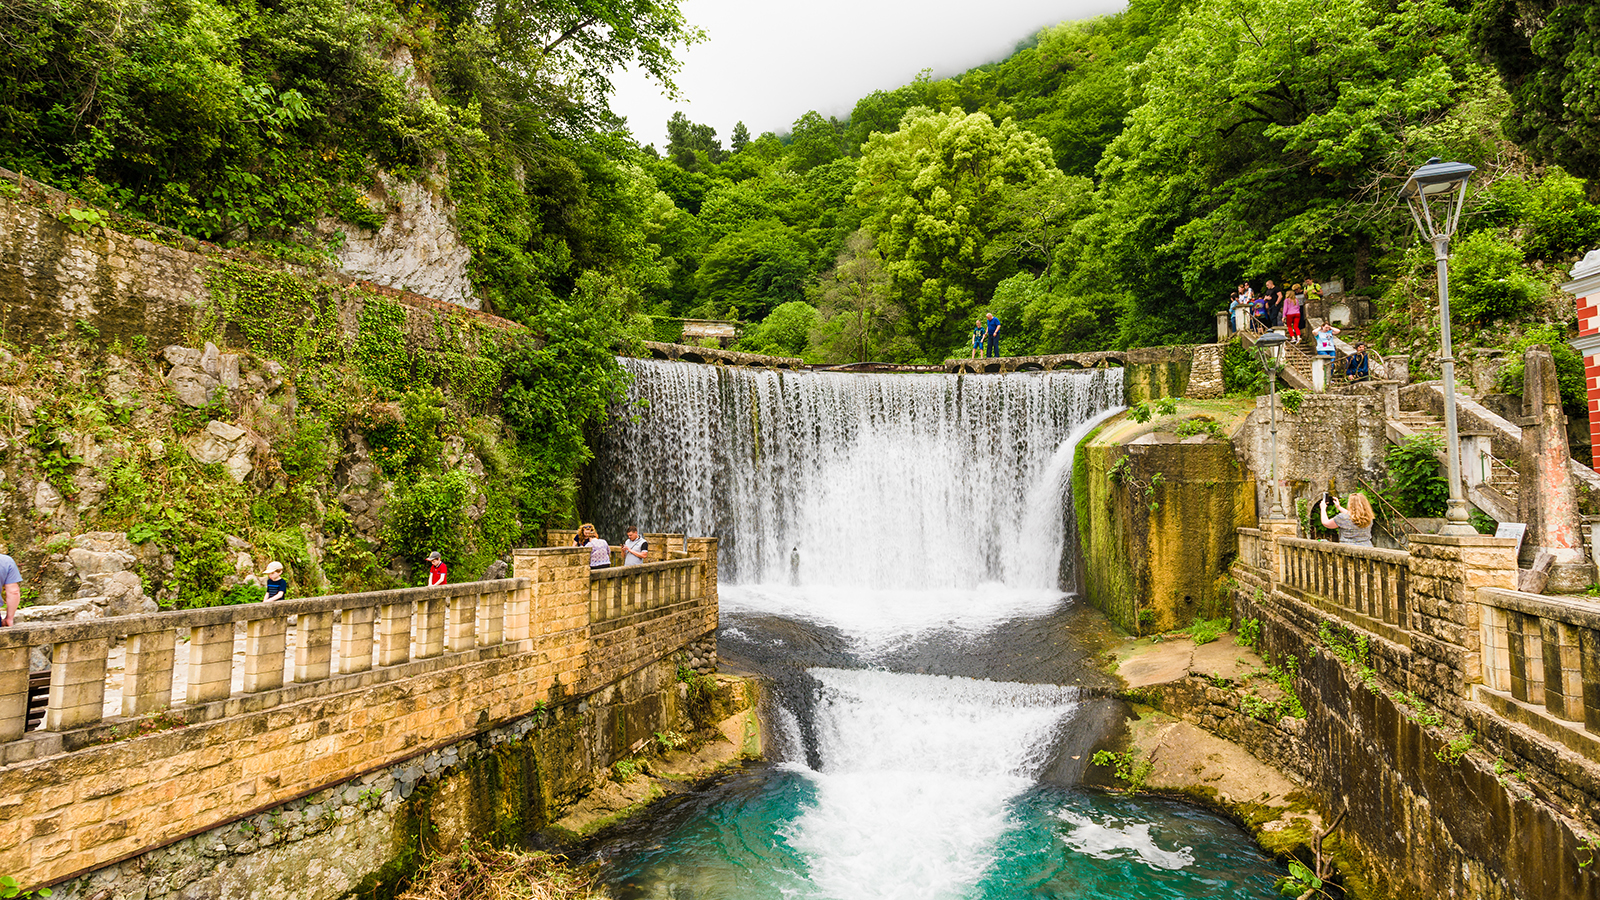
<point x="221" y="442"/>
<point x="100" y="569"/>
<point x="417" y="248"/>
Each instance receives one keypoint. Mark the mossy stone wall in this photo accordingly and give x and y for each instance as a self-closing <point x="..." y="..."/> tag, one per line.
<point x="1153" y="548"/>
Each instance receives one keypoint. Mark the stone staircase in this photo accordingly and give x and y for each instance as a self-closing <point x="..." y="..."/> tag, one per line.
<point x="1493" y="491"/>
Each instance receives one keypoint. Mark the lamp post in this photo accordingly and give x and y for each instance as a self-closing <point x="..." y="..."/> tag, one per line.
<point x="1269" y="346"/>
<point x="1435" y="194"/>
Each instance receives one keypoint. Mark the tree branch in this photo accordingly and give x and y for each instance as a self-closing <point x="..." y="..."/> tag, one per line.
<point x="572" y="32"/>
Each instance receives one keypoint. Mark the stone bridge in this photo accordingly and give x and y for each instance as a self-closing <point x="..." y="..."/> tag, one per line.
<point x="1449" y="718"/>
<point x="276" y="749"/>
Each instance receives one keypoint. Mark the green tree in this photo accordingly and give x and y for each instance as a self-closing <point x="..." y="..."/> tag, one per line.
<point x="740" y="137"/>
<point x="693" y="147"/>
<point x="937" y="196"/>
<point x="750" y="271"/>
<point x="786" y="331"/>
<point x="856" y="316"/>
<point x="814" y="141"/>
<point x="1546" y="55"/>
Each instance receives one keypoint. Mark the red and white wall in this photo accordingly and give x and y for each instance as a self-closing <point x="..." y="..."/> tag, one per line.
<point x="1585" y="285"/>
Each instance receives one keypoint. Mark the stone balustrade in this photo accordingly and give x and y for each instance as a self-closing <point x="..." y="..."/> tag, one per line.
<point x="161" y="727"/>
<point x="1544" y="653"/>
<point x="248" y="657"/>
<point x="1365" y="585"/>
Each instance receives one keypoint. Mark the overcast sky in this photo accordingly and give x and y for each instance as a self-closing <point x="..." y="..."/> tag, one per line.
<point x="766" y="63"/>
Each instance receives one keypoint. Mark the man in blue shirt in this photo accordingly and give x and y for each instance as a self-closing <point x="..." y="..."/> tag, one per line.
<point x="991" y="343"/>
<point x="11" y="586"/>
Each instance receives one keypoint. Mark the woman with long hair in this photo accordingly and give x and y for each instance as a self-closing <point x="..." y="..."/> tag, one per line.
<point x="599" y="550"/>
<point x="1354" y="522"/>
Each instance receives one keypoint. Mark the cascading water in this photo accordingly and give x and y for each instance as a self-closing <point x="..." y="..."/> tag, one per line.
<point x="884" y="481"/>
<point x="928" y="728"/>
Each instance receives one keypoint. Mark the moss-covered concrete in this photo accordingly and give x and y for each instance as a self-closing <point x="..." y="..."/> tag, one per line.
<point x="1142" y="380"/>
<point x="1157" y="515"/>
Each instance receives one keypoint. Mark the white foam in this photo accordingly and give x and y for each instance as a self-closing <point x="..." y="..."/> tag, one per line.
<point x="1107" y="840"/>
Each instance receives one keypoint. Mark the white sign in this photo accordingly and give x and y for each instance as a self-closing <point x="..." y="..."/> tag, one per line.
<point x="1512" y="530"/>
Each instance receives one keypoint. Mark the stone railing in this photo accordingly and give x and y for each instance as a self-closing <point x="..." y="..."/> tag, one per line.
<point x="1364" y="584"/>
<point x="622" y="591"/>
<point x="1255" y="548"/>
<point x="1542" y="651"/>
<point x="161" y="727"/>
<point x="231" y="659"/>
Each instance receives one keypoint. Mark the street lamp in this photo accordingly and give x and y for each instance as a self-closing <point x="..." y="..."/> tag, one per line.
<point x="1435" y="194"/>
<point x="1269" y="346"/>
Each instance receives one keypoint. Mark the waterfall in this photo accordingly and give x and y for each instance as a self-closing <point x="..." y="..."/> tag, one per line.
<point x="876" y="481"/>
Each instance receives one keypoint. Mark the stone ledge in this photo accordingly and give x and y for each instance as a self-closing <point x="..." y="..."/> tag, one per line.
<point x="1571" y="735"/>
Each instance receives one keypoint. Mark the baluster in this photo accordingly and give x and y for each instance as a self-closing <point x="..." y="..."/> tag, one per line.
<point x="147" y="671"/>
<point x="394" y="632"/>
<point x="13" y="692"/>
<point x="428" y="637"/>
<point x="210" y="663"/>
<point x="77" y="684"/>
<point x="264" y="643"/>
<point x="1527" y="657"/>
<point x="355" y="638"/>
<point x="1563" y="670"/>
<point x="492" y="618"/>
<point x="313" y="647"/>
<point x="461" y="634"/>
<point x="1589" y="643"/>
<point x="597" y="611"/>
<point x="1496" y="650"/>
<point x="518" y="614"/>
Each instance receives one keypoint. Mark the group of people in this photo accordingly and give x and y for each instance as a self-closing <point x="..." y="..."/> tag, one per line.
<point x="635" y="550"/>
<point x="1271" y="307"/>
<point x="986" y="337"/>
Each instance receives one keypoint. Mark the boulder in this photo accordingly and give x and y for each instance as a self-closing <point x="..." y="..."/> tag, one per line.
<point x="185" y="357"/>
<point x="46" y="499"/>
<point x="193" y="387"/>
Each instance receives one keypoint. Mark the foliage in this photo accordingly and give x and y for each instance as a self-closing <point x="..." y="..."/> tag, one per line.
<point x="1242" y="375"/>
<point x="1128" y="768"/>
<point x="1300" y="882"/>
<point x="1291" y="399"/>
<point x="1204" y="631"/>
<point x="1545" y="53"/>
<point x="1455" y="748"/>
<point x="1200" y="425"/>
<point x="1141" y="412"/>
<point x="1487" y="281"/>
<point x="1416" y="709"/>
<point x="1416" y="487"/>
<point x="623" y="770"/>
<point x="1352" y="649"/>
<point x="785" y="332"/>
<point x="1249" y="632"/>
<point x="10" y="888"/>
<point x="1569" y="365"/>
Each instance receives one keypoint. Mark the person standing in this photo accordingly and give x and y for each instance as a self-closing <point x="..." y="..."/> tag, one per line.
<point x="1354" y="523"/>
<point x="1274" y="298"/>
<point x="438" y="572"/>
<point x="635" y="550"/>
<point x="1291" y="312"/>
<point x="277" y="586"/>
<point x="599" y="550"/>
<point x="979" y="332"/>
<point x="11" y="586"/>
<point x="991" y="342"/>
<point x="1233" y="312"/>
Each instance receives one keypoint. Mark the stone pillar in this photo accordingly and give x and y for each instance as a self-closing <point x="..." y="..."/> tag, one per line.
<point x="1443" y="614"/>
<point x="1272" y="529"/>
<point x="1585" y="285"/>
<point x="77" y="684"/>
<point x="705" y="549"/>
<point x="1319" y="373"/>
<point x="558" y="611"/>
<point x="1547" y="499"/>
<point x="13" y="691"/>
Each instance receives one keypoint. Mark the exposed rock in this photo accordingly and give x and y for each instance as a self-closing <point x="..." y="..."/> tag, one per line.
<point x="496" y="571"/>
<point x="417" y="247"/>
<point x="46" y="499"/>
<point x="211" y="360"/>
<point x="184" y="357"/>
<point x="193" y="387"/>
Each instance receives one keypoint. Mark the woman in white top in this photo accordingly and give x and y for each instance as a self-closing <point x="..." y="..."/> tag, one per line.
<point x="599" y="550"/>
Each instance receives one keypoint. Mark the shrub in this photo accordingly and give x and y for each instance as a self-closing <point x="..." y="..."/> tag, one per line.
<point x="1488" y="281"/>
<point x="1416" y="486"/>
<point x="1242" y="375"/>
<point x="1569" y="366"/>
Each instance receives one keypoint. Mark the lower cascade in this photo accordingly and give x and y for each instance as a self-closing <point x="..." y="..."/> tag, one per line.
<point x="929" y="720"/>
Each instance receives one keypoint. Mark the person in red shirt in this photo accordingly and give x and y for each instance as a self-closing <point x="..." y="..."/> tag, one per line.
<point x="438" y="572"/>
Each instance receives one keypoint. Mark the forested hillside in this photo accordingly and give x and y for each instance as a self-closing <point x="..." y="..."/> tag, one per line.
<point x="1104" y="186"/>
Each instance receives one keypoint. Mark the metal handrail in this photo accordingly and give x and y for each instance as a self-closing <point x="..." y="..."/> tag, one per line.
<point x="1394" y="513"/>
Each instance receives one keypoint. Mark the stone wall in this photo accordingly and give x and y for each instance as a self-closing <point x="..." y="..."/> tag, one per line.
<point x="1332" y="443"/>
<point x="1155" y="538"/>
<point x="119" y="286"/>
<point x="98" y="795"/>
<point x="1499" y="813"/>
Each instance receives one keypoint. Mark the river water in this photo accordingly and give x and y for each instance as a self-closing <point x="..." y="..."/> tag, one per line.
<point x="893" y="551"/>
